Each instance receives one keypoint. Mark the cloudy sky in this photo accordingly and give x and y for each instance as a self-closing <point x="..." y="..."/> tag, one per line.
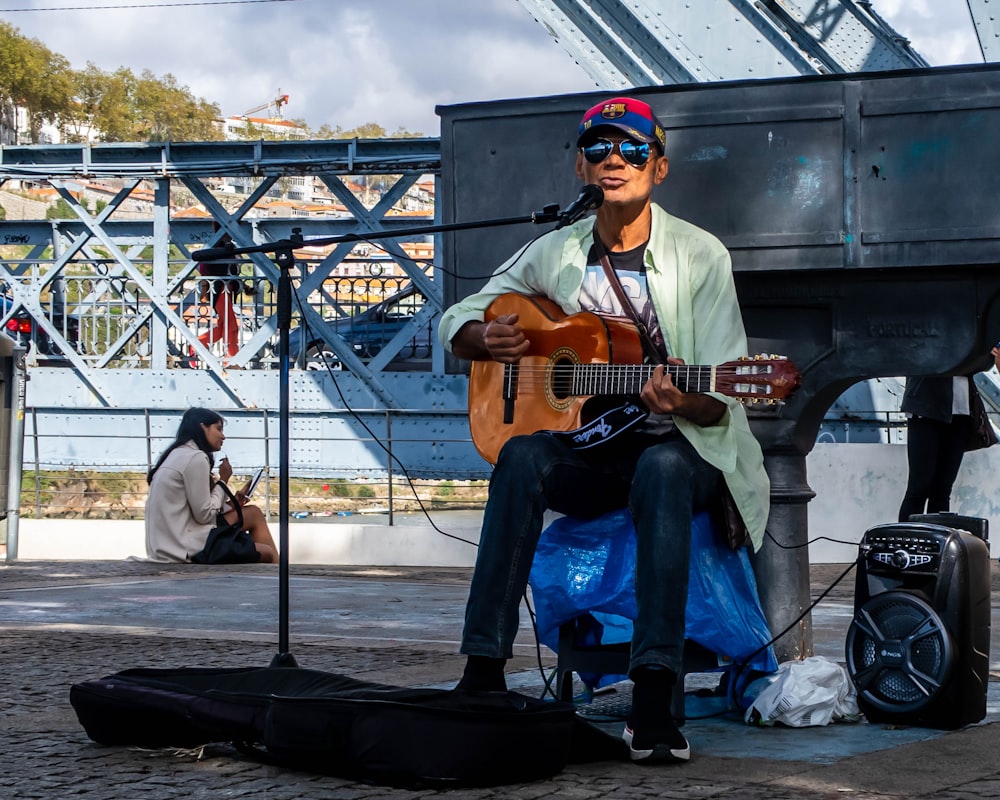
<point x="348" y="62"/>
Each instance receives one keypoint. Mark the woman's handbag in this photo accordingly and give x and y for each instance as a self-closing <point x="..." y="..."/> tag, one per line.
<point x="227" y="542"/>
<point x="981" y="432"/>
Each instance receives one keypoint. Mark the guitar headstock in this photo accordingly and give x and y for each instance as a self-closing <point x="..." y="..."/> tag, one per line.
<point x="760" y="378"/>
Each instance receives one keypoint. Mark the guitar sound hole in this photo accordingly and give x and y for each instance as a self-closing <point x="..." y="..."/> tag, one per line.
<point x="562" y="379"/>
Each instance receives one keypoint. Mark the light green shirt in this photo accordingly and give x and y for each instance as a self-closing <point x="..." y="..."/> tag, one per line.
<point x="690" y="280"/>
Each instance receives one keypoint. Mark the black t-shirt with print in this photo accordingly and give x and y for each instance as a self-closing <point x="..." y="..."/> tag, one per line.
<point x="598" y="296"/>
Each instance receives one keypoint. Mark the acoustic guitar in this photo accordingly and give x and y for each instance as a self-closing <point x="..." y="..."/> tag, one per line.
<point x="575" y="358"/>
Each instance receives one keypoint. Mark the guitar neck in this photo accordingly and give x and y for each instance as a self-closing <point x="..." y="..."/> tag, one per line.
<point x="584" y="380"/>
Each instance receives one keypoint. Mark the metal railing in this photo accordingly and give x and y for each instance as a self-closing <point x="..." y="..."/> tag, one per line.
<point x="882" y="427"/>
<point x="108" y="323"/>
<point x="372" y="476"/>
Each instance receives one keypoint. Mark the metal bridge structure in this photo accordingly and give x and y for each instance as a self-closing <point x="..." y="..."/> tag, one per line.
<point x="113" y="291"/>
<point x="115" y="298"/>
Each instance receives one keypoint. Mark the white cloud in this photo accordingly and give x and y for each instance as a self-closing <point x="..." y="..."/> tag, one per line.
<point x="348" y="62"/>
<point x="940" y="30"/>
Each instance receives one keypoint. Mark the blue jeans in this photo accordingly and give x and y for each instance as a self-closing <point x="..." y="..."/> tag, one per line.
<point x="663" y="481"/>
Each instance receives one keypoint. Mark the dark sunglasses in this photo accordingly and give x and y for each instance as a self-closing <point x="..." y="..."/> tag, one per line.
<point x="635" y="153"/>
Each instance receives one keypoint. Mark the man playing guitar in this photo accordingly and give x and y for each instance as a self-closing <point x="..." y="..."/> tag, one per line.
<point x="678" y="280"/>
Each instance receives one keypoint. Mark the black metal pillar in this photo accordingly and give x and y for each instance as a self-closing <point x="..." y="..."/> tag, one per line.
<point x="782" y="564"/>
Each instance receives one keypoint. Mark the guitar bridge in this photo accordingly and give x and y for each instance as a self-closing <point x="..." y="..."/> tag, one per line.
<point x="509" y="392"/>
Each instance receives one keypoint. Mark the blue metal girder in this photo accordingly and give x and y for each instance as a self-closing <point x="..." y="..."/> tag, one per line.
<point x="162" y="159"/>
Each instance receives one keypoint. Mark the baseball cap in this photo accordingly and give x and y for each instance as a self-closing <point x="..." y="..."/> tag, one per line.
<point x="633" y="117"/>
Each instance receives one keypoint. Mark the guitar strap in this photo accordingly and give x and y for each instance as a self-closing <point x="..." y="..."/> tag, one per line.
<point x="648" y="346"/>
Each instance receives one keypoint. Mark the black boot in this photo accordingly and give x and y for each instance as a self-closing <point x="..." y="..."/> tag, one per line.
<point x="483" y="674"/>
<point x="651" y="734"/>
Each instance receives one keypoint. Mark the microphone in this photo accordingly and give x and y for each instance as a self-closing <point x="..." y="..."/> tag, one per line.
<point x="591" y="196"/>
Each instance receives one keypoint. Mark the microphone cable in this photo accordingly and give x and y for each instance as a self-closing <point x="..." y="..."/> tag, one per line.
<point x="375" y="438"/>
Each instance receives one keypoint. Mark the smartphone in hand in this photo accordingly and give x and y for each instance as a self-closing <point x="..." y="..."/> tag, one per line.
<point x="254" y="481"/>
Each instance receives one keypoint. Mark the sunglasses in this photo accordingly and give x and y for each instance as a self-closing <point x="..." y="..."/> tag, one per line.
<point x="635" y="153"/>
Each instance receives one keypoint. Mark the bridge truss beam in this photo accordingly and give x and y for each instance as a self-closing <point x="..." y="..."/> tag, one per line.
<point x="140" y="262"/>
<point x="627" y="43"/>
<point x="984" y="17"/>
<point x="123" y="271"/>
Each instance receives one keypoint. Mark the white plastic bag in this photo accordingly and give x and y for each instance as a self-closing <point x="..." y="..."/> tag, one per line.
<point x="815" y="691"/>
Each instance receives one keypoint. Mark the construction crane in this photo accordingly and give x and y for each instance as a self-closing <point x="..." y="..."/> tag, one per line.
<point x="276" y="104"/>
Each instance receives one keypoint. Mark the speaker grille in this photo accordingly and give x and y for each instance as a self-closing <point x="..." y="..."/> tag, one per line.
<point x="899" y="652"/>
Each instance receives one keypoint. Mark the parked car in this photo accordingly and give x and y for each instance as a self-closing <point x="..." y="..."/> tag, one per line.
<point x="367" y="333"/>
<point x="22" y="328"/>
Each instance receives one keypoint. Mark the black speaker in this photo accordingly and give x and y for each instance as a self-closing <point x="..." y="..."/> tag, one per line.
<point x="918" y="648"/>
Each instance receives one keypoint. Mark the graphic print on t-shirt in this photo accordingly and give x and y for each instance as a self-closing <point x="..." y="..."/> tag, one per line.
<point x="598" y="296"/>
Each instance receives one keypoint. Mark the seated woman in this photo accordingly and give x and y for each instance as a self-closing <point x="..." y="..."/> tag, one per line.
<point x="185" y="503"/>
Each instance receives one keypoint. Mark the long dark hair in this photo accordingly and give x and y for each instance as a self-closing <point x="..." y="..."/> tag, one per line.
<point x="190" y="430"/>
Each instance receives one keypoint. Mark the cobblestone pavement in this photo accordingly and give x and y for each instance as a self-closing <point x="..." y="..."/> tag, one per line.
<point x="47" y="754"/>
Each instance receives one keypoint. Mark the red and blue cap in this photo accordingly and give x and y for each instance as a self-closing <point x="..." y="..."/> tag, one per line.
<point x="633" y="117"/>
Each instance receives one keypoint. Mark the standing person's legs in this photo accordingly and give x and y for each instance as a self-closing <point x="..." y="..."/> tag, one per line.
<point x="951" y="450"/>
<point x="214" y="330"/>
<point x="227" y="322"/>
<point x="224" y="326"/>
<point x="533" y="473"/>
<point x="923" y="438"/>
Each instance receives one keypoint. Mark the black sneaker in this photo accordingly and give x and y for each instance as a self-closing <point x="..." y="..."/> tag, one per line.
<point x="665" y="746"/>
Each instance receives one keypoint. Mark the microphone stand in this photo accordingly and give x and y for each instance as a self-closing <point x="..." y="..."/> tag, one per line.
<point x="284" y="259"/>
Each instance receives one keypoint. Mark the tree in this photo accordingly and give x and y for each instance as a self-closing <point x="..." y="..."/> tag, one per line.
<point x="34" y="77"/>
<point x="120" y="107"/>
<point x="103" y="105"/>
<point x="167" y="111"/>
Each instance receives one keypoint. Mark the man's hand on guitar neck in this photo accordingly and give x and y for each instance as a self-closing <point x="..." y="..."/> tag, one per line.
<point x="500" y="339"/>
<point x="661" y="396"/>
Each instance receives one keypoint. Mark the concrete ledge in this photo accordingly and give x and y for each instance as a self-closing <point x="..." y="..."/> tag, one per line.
<point x="382" y="545"/>
<point x="312" y="543"/>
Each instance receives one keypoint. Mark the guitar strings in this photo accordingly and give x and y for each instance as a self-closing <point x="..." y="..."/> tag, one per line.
<point x="610" y="379"/>
<point x="731" y="370"/>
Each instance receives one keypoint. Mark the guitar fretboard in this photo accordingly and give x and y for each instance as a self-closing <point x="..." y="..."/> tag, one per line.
<point x="584" y="380"/>
<point x="628" y="379"/>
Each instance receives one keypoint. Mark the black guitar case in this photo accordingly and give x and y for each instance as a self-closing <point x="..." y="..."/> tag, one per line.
<point x="340" y="726"/>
